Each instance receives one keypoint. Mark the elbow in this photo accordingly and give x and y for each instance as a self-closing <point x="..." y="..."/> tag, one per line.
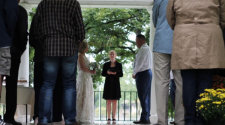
<point x="83" y="68"/>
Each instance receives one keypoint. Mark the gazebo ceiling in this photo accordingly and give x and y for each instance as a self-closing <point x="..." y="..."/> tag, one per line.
<point x="28" y="4"/>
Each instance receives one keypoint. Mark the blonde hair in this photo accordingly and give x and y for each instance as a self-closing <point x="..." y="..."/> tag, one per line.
<point x="83" y="46"/>
<point x="113" y="51"/>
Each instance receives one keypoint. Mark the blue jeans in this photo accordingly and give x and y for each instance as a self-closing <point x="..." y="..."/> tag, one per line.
<point x="143" y="83"/>
<point x="194" y="83"/>
<point x="69" y="68"/>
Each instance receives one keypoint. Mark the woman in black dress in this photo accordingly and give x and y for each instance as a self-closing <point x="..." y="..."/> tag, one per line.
<point x="112" y="70"/>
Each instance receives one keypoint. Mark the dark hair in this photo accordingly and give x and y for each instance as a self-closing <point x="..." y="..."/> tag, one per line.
<point x="140" y="36"/>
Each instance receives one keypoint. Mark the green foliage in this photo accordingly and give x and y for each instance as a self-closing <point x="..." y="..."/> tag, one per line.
<point x="109" y="29"/>
<point x="211" y="105"/>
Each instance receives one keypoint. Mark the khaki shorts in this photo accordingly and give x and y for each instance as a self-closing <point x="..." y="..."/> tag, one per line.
<point x="5" y="61"/>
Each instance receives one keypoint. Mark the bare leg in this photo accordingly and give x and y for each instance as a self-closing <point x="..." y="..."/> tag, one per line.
<point x="109" y="108"/>
<point x="114" y="102"/>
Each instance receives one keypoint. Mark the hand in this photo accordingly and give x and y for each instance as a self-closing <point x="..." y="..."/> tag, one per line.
<point x="114" y="73"/>
<point x="133" y="76"/>
<point x="93" y="72"/>
<point x="109" y="72"/>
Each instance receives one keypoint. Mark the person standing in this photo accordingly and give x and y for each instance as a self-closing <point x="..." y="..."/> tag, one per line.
<point x="112" y="70"/>
<point x="162" y="49"/>
<point x="61" y="30"/>
<point x="18" y="47"/>
<point x="38" y="79"/>
<point x="85" y="92"/>
<point x="198" y="48"/>
<point x="9" y="13"/>
<point x="143" y="76"/>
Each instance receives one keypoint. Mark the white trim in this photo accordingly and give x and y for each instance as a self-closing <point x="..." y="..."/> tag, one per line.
<point x="101" y="3"/>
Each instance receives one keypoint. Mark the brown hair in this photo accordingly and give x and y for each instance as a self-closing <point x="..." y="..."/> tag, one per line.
<point x="83" y="46"/>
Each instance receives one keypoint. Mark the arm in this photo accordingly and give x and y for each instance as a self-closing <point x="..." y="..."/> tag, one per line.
<point x="22" y="29"/>
<point x="82" y="65"/>
<point x="104" y="71"/>
<point x="155" y="11"/>
<point x="11" y="11"/>
<point x="222" y="14"/>
<point x="80" y="31"/>
<point x="170" y="14"/>
<point x="37" y="22"/>
<point x="120" y="72"/>
<point x="31" y="35"/>
<point x="139" y="61"/>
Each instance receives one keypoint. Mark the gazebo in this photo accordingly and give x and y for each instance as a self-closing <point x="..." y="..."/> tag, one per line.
<point x="146" y="4"/>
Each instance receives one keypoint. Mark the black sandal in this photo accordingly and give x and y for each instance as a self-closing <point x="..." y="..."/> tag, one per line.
<point x="114" y="121"/>
<point x="108" y="121"/>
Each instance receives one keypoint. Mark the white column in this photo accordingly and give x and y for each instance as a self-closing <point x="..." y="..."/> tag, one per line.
<point x="24" y="68"/>
<point x="154" y="116"/>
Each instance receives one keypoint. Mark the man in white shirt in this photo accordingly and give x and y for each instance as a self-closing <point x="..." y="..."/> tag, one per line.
<point x="143" y="77"/>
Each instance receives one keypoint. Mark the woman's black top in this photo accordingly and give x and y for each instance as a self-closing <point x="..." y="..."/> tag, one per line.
<point x="112" y="82"/>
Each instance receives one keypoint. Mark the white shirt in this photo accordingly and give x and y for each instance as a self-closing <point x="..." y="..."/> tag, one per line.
<point x="143" y="59"/>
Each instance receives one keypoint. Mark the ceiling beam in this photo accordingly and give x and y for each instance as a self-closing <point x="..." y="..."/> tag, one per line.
<point x="102" y="3"/>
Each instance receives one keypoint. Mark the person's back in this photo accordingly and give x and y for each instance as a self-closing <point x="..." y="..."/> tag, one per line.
<point x="198" y="48"/>
<point x="197" y="27"/>
<point x="20" y="38"/>
<point x="61" y="25"/>
<point x="199" y="12"/>
<point x="8" y="18"/>
<point x="163" y="34"/>
<point x="16" y="50"/>
<point x="60" y="29"/>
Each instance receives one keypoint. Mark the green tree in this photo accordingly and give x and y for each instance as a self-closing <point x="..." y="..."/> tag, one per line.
<point x="108" y="29"/>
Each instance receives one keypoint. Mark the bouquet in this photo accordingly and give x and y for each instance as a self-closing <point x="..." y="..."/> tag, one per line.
<point x="211" y="105"/>
<point x="94" y="66"/>
<point x="218" y="82"/>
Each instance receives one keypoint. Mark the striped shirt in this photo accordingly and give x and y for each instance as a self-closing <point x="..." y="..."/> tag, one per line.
<point x="60" y="27"/>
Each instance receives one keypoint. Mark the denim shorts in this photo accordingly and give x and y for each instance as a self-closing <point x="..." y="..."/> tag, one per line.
<point x="5" y="61"/>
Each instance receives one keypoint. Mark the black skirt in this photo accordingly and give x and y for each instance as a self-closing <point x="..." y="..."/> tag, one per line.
<point x="112" y="88"/>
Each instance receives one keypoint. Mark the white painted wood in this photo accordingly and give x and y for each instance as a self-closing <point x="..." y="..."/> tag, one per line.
<point x="101" y="3"/>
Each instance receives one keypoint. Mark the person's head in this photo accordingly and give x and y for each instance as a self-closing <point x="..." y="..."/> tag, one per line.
<point x="140" y="40"/>
<point x="83" y="48"/>
<point x="112" y="55"/>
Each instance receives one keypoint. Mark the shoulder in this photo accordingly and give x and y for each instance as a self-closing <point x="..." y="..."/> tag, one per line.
<point x="80" y="56"/>
<point x="75" y="3"/>
<point x="107" y="63"/>
<point x="144" y="48"/>
<point x="118" y="63"/>
<point x="23" y="11"/>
